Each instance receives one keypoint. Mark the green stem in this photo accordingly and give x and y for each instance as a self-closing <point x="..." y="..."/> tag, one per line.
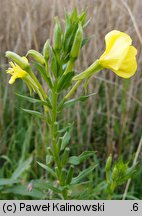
<point x="94" y="68"/>
<point x="54" y="137"/>
<point x="69" y="66"/>
<point x="91" y="70"/>
<point x="37" y="83"/>
<point x="73" y="89"/>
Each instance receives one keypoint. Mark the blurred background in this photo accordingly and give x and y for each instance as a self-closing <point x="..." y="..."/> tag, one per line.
<point x="110" y="121"/>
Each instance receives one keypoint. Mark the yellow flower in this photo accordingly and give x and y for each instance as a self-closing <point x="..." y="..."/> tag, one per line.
<point x="16" y="72"/>
<point x="120" y="55"/>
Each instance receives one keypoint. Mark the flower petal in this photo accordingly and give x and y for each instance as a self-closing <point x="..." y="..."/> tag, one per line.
<point x="129" y="65"/>
<point x="117" y="44"/>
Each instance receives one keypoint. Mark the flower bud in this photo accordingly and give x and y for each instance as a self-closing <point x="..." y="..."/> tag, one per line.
<point x="57" y="41"/>
<point x="18" y="60"/>
<point x="108" y="163"/>
<point x="59" y="143"/>
<point x="114" y="173"/>
<point x="57" y="171"/>
<point x="70" y="174"/>
<point x="46" y="50"/>
<point x="77" y="43"/>
<point x="65" y="156"/>
<point x="37" y="56"/>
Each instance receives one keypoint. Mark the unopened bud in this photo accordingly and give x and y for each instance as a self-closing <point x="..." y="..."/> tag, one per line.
<point x="18" y="60"/>
<point x="114" y="173"/>
<point x="37" y="56"/>
<point x="57" y="41"/>
<point x="77" y="43"/>
<point x="108" y="163"/>
<point x="70" y="174"/>
<point x="65" y="156"/>
<point x="46" y="50"/>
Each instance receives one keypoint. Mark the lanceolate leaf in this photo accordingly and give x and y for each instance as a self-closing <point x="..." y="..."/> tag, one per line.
<point x="42" y="185"/>
<point x="21" y="168"/>
<point x="29" y="99"/>
<point x="32" y="112"/>
<point x="76" y="160"/>
<point x="6" y="181"/>
<point x="47" y="168"/>
<point x="83" y="174"/>
<point x="65" y="81"/>
<point x="36" y="101"/>
<point x="80" y="99"/>
<point x="42" y="71"/>
<point x="66" y="137"/>
<point x="23" y="191"/>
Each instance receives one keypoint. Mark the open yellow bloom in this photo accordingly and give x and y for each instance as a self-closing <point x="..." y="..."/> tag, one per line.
<point x="120" y="55"/>
<point x="16" y="72"/>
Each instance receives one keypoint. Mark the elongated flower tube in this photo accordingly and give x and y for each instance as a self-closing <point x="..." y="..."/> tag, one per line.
<point x="120" y="55"/>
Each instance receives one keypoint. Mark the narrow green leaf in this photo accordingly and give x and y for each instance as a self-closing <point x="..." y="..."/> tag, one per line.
<point x="45" y="185"/>
<point x="80" y="99"/>
<point x="29" y="99"/>
<point x="76" y="160"/>
<point x="23" y="191"/>
<point x="21" y="168"/>
<point x="66" y="138"/>
<point x="35" y="113"/>
<point x="36" y="101"/>
<point x="65" y="81"/>
<point x="82" y="175"/>
<point x="6" y="181"/>
<point x="49" y="159"/>
<point x="47" y="168"/>
<point x="42" y="71"/>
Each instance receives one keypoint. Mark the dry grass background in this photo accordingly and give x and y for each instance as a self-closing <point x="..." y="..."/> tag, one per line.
<point x="26" y="24"/>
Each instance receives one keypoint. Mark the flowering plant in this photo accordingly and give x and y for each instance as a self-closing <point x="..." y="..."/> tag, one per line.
<point x="56" y="67"/>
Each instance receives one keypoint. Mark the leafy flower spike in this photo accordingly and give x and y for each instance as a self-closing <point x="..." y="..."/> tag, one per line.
<point x="120" y="55"/>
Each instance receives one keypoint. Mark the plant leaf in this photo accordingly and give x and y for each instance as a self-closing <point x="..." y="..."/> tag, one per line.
<point x="6" y="181"/>
<point x="66" y="137"/>
<point x="21" y="168"/>
<point x="80" y="99"/>
<point x="33" y="112"/>
<point x="23" y="191"/>
<point x="36" y="101"/>
<point x="47" y="168"/>
<point x="76" y="160"/>
<point x="45" y="185"/>
<point x="65" y="81"/>
<point x="42" y="71"/>
<point x="83" y="174"/>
